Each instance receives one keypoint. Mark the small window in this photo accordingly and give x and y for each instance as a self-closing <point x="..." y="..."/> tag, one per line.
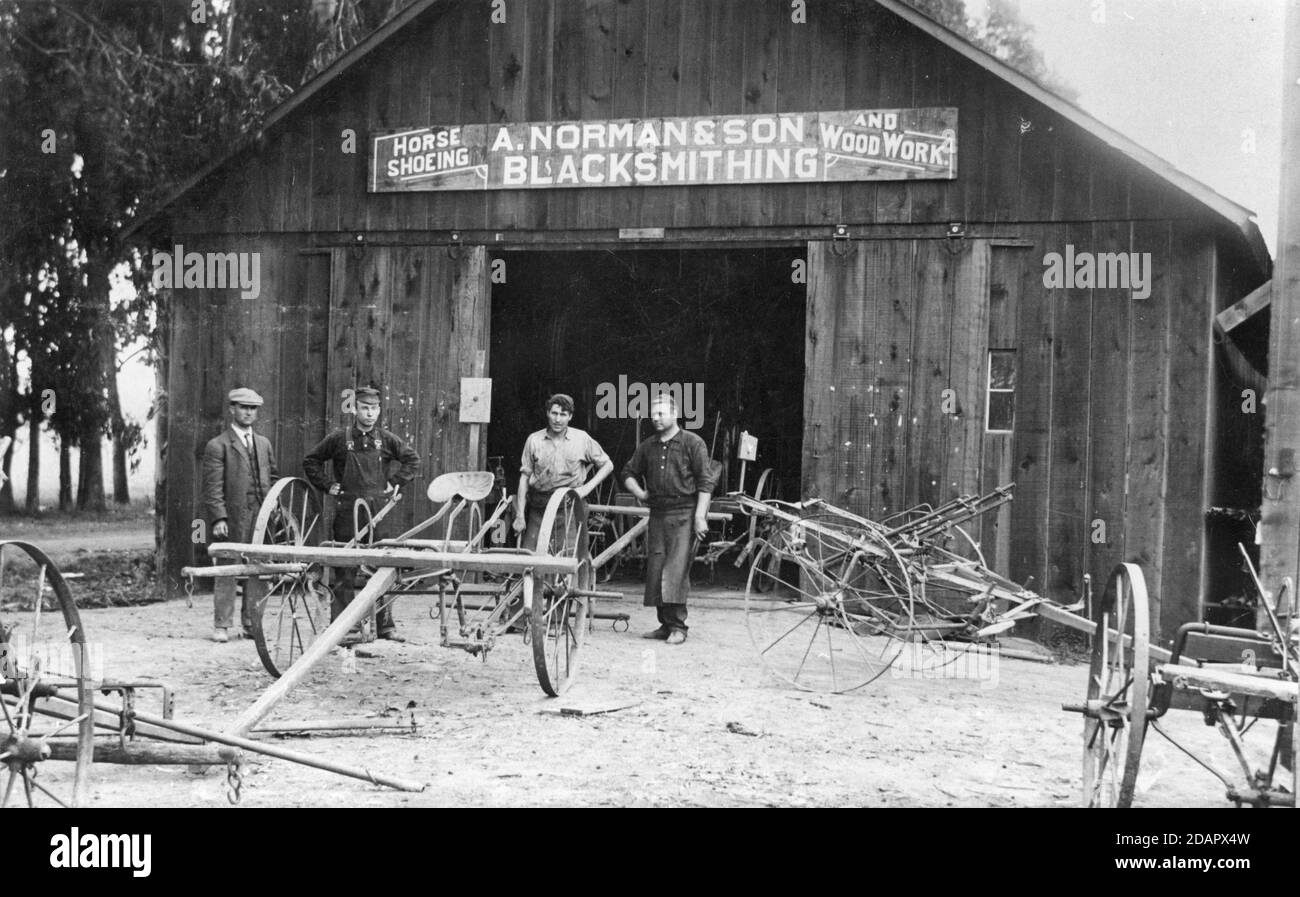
<point x="1000" y="409"/>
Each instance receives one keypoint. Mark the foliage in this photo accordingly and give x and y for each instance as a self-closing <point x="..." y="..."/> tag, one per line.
<point x="107" y="106"/>
<point x="1002" y="33"/>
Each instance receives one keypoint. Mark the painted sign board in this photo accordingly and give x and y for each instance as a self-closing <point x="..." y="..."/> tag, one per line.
<point x="775" y="148"/>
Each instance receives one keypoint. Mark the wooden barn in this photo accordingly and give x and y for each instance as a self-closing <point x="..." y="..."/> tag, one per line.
<point x="911" y="272"/>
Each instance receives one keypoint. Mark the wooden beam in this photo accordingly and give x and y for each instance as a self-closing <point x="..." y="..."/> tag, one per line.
<point x="396" y="557"/>
<point x="1088" y="627"/>
<point x="149" y="753"/>
<point x="328" y="640"/>
<point x="1243" y="309"/>
<point x="242" y="569"/>
<point x="1223" y="680"/>
<point x="639" y="511"/>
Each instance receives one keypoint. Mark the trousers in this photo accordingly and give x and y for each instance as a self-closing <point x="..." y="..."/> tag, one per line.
<point x="224" y="591"/>
<point x="343" y="580"/>
<point x="670" y="545"/>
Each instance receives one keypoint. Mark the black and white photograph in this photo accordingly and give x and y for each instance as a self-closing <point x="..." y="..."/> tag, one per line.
<point x="650" y="404"/>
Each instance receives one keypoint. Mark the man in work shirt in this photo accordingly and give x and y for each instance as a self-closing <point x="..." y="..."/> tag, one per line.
<point x="557" y="457"/>
<point x="351" y="463"/>
<point x="679" y="483"/>
<point x="238" y="471"/>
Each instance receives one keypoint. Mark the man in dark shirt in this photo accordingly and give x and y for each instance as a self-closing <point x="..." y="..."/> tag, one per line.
<point x="352" y="463"/>
<point x="678" y="485"/>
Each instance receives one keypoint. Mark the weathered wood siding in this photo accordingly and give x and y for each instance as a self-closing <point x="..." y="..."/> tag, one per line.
<point x="564" y="59"/>
<point x="413" y="320"/>
<point x="1112" y="413"/>
<point x="1110" y="431"/>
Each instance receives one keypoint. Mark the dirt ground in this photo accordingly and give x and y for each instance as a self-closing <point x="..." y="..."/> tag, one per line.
<point x="708" y="727"/>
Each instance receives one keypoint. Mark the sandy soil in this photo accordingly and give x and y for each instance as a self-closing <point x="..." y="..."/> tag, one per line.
<point x="708" y="725"/>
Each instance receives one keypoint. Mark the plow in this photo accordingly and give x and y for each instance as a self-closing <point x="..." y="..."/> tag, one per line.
<point x="833" y="600"/>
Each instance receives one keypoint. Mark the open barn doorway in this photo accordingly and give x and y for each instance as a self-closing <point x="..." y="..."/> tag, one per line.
<point x="727" y="325"/>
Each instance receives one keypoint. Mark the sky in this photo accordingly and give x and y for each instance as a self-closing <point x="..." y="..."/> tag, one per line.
<point x="1197" y="82"/>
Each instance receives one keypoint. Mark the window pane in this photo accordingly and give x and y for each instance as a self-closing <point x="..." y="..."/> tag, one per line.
<point x="1002" y="369"/>
<point x="1002" y="410"/>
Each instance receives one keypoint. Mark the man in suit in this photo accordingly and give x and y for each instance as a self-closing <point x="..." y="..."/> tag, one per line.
<point x="238" y="470"/>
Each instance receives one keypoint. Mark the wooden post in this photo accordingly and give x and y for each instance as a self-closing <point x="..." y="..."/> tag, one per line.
<point x="380" y="582"/>
<point x="1280" y="511"/>
<point x="475" y="406"/>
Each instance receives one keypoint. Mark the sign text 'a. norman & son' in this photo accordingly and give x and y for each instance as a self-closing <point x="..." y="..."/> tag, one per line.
<point x="779" y="148"/>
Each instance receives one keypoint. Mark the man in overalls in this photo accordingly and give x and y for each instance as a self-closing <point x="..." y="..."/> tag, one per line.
<point x="352" y="463"/>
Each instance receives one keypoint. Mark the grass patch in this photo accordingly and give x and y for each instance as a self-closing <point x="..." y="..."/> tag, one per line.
<point x="103" y="579"/>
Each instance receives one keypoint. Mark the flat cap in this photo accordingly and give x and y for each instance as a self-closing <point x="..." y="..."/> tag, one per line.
<point x="367" y="394"/>
<point x="244" y="396"/>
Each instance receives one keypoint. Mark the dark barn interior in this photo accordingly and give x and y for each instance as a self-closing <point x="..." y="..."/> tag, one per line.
<point x="583" y="323"/>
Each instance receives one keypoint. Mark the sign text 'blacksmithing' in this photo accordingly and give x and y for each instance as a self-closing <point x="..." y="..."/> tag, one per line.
<point x="780" y="148"/>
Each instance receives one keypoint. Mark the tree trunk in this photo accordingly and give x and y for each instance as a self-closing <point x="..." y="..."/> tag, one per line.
<point x="90" y="472"/>
<point x="7" y="490"/>
<point x="65" y="475"/>
<point x="8" y="421"/>
<point x="90" y="469"/>
<point x="121" y="493"/>
<point x="32" y="504"/>
<point x="161" y="440"/>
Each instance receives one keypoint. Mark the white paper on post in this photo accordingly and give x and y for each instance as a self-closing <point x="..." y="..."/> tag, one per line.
<point x="748" y="450"/>
<point x="475" y="400"/>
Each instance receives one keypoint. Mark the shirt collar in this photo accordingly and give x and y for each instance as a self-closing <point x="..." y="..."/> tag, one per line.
<point x="546" y="434"/>
<point x="241" y="432"/>
<point x="358" y="435"/>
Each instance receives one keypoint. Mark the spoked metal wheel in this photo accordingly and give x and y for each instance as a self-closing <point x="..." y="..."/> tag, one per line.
<point x="1115" y="715"/>
<point x="45" y="681"/>
<point x="296" y="608"/>
<point x="754" y="536"/>
<point x="558" y="603"/>
<point x="838" y="609"/>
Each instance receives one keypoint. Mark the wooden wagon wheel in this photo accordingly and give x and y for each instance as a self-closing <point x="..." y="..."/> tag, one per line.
<point x="1115" y="717"/>
<point x="764" y="583"/>
<point x="45" y="673"/>
<point x="840" y="609"/>
<point x="558" y="607"/>
<point x="296" y="608"/>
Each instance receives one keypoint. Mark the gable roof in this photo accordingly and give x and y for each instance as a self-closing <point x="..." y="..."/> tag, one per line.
<point x="1238" y="217"/>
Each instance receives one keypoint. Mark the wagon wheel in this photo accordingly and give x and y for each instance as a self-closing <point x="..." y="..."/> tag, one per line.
<point x="558" y="617"/>
<point x="763" y="583"/>
<point x="974" y="546"/>
<point x="1118" y="680"/>
<point x="607" y="534"/>
<point x="363" y="536"/>
<point x="45" y="671"/>
<point x="296" y="608"/>
<point x="841" y="609"/>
